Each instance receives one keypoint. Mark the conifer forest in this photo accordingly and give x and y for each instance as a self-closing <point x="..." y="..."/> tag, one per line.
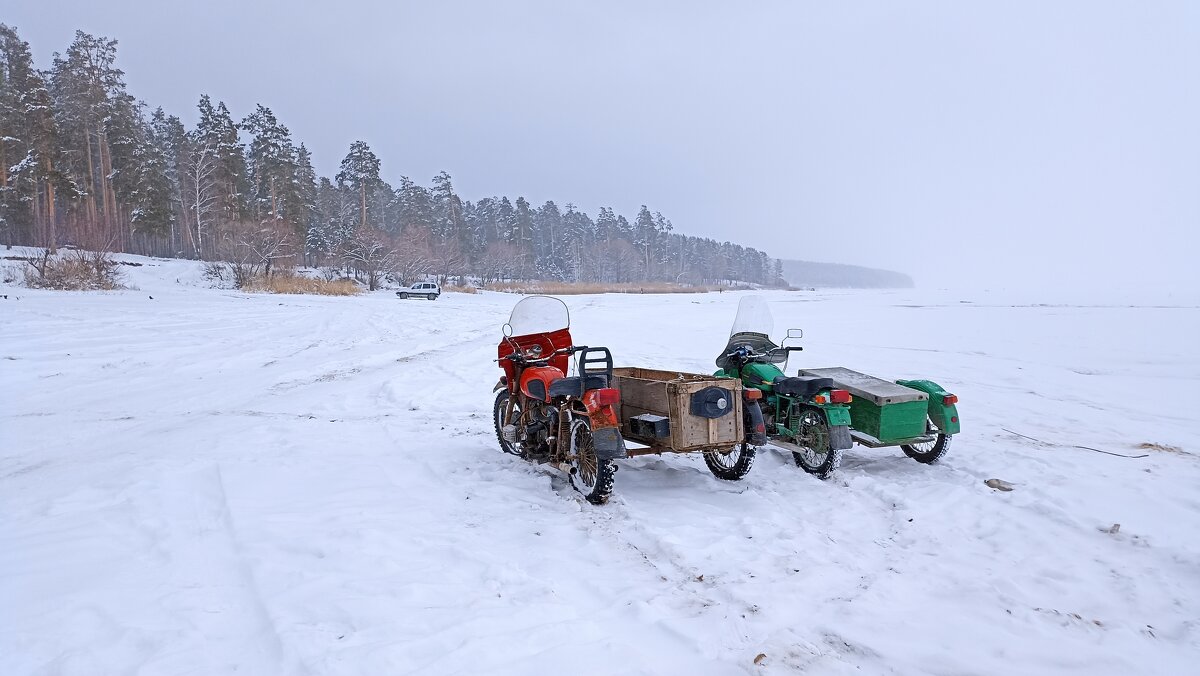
<point x="85" y="163"/>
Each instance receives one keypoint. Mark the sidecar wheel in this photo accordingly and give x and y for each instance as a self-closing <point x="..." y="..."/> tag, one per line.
<point x="731" y="464"/>
<point x="498" y="410"/>
<point x="590" y="475"/>
<point x="817" y="458"/>
<point x="928" y="452"/>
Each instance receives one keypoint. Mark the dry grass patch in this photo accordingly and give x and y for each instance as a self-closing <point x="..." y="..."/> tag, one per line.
<point x="292" y="283"/>
<point x="454" y="288"/>
<point x="1147" y="446"/>
<point x="568" y="288"/>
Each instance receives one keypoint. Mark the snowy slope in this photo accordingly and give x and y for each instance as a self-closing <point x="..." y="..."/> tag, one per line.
<point x="206" y="481"/>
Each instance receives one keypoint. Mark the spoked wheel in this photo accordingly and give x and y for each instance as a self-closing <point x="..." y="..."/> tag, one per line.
<point x="730" y="464"/>
<point x="817" y="458"/>
<point x="498" y="415"/>
<point x="432" y="297"/>
<point x="403" y="296"/>
<point x="928" y="452"/>
<point x="590" y="475"/>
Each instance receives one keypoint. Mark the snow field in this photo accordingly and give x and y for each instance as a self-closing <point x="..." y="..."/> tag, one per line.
<point x="209" y="482"/>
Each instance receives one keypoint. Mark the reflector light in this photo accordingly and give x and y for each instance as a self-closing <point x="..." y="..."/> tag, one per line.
<point x="950" y="400"/>
<point x="953" y="418"/>
<point x="752" y="394"/>
<point x="607" y="396"/>
<point x="840" y="396"/>
<point x="820" y="399"/>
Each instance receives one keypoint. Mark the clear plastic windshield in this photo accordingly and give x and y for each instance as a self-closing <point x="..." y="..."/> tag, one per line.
<point x="752" y="328"/>
<point x="538" y="314"/>
<point x="753" y="316"/>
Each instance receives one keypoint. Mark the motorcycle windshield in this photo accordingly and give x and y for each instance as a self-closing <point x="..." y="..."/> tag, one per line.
<point x="538" y="314"/>
<point x="752" y="327"/>
<point x="753" y="316"/>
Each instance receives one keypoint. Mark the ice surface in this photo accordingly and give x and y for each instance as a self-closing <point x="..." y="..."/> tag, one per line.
<point x="207" y="481"/>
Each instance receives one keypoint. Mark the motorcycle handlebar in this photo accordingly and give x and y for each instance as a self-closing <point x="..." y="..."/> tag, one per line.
<point x="518" y="357"/>
<point x="747" y="353"/>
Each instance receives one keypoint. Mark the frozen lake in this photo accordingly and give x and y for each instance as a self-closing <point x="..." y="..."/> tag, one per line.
<point x="207" y="481"/>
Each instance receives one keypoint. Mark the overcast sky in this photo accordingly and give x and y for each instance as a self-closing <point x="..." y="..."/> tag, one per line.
<point x="981" y="144"/>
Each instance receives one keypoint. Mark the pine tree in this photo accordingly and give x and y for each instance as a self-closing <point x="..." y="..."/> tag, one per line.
<point x="360" y="174"/>
<point x="87" y="87"/>
<point x="28" y="147"/>
<point x="271" y="168"/>
<point x="217" y="134"/>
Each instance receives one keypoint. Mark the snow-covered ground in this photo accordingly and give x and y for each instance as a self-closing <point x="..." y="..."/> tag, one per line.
<point x="196" y="481"/>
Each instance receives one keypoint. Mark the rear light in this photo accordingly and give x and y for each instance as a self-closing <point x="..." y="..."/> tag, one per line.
<point x="953" y="418"/>
<point x="820" y="399"/>
<point x="607" y="396"/>
<point x="840" y="397"/>
<point x="752" y="394"/>
<point x="950" y="400"/>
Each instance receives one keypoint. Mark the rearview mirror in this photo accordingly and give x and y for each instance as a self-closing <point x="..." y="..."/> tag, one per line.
<point x="795" y="333"/>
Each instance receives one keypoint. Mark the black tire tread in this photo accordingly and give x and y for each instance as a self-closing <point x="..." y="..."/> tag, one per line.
<point x="740" y="468"/>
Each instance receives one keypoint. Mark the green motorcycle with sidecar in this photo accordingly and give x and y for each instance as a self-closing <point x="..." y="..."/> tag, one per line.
<point x="819" y="413"/>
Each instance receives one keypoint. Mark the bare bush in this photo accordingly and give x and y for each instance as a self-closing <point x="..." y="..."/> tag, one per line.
<point x="370" y="253"/>
<point x="76" y="270"/>
<point x="414" y="260"/>
<point x="250" y="251"/>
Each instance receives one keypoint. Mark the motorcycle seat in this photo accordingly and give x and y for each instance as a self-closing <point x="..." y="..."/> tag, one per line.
<point x="801" y="387"/>
<point x="577" y="385"/>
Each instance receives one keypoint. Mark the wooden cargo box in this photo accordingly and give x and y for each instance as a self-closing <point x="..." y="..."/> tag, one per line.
<point x="670" y="394"/>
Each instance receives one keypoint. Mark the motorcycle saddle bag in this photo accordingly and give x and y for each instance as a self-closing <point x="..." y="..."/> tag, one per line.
<point x="575" y="386"/>
<point x="801" y="387"/>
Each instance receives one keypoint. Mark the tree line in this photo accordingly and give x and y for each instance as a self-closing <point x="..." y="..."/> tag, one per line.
<point x="83" y="162"/>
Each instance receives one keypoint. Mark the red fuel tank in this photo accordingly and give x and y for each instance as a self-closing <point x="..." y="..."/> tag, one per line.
<point x="535" y="381"/>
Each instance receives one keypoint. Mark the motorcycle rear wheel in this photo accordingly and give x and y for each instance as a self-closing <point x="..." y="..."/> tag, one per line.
<point x="591" y="475"/>
<point x="818" y="458"/>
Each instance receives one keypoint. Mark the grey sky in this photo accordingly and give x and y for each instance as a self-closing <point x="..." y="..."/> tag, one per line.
<point x="1045" y="142"/>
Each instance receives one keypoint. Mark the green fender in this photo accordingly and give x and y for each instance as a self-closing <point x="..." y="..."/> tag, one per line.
<point x="943" y="415"/>
<point x="836" y="414"/>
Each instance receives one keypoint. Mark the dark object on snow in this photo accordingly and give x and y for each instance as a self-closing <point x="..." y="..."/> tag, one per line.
<point x="1086" y="448"/>
<point x="998" y="484"/>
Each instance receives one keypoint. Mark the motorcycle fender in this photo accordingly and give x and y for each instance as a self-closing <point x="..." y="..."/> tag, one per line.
<point x="756" y="430"/>
<point x="839" y="437"/>
<point x="944" y="416"/>
<point x="837" y="414"/>
<point x="609" y="443"/>
<point x="606" y="428"/>
<point x="501" y="384"/>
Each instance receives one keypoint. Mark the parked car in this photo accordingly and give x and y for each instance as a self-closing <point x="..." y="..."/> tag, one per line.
<point x="421" y="290"/>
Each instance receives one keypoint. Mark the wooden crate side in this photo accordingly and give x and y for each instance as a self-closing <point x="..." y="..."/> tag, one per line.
<point x="648" y="395"/>
<point x="695" y="432"/>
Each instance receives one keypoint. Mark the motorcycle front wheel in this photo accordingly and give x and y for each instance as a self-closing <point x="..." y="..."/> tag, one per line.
<point x="498" y="413"/>
<point x="590" y="475"/>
